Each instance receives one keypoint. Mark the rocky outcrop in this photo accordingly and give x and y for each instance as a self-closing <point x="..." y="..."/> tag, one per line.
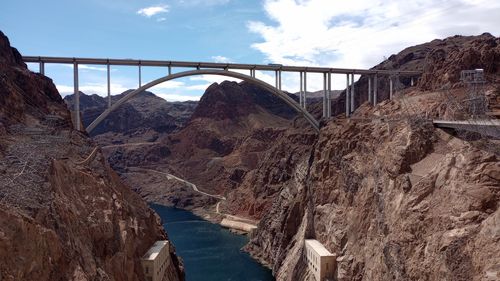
<point x="390" y="195"/>
<point x="394" y="200"/>
<point x="62" y="218"/>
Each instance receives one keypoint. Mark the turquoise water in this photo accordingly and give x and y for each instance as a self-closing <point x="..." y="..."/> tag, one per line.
<point x="209" y="251"/>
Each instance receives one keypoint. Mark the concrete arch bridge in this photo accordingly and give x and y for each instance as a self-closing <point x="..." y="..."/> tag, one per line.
<point x="227" y="69"/>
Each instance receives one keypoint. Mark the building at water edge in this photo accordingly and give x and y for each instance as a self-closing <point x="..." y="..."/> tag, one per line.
<point x="154" y="262"/>
<point x="319" y="260"/>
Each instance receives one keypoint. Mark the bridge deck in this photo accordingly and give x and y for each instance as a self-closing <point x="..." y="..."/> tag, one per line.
<point x="164" y="63"/>
<point x="487" y="127"/>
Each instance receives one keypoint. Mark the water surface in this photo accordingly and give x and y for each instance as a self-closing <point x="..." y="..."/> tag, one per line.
<point x="209" y="251"/>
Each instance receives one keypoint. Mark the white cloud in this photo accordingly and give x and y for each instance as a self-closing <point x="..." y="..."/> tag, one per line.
<point x="221" y="59"/>
<point x="359" y="34"/>
<point x="153" y="10"/>
<point x="172" y="84"/>
<point x="161" y="19"/>
<point x="93" y="88"/>
<point x="87" y="67"/>
<point x="170" y="90"/>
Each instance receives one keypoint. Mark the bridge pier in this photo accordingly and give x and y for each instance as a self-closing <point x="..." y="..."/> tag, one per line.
<point x="77" y="96"/>
<point x="390" y="88"/>
<point x="304" y="98"/>
<point x="352" y="93"/>
<point x="325" y="113"/>
<point x="369" y="89"/>
<point x="301" y="103"/>
<point x="109" y="84"/>
<point x="140" y="76"/>
<point x="169" y="70"/>
<point x="41" y="68"/>
<point x="375" y="89"/>
<point x="276" y="79"/>
<point x="279" y="79"/>
<point x="347" y="98"/>
<point x="329" y="97"/>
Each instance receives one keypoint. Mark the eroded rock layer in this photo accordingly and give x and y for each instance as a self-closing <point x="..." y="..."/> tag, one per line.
<point x="64" y="213"/>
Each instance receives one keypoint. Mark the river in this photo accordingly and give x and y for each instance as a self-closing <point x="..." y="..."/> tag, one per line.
<point x="209" y="251"/>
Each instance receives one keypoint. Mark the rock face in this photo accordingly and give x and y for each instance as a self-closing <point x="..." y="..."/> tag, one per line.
<point x="393" y="201"/>
<point x="394" y="198"/>
<point x="62" y="218"/>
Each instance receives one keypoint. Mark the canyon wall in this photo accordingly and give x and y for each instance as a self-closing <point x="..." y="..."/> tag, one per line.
<point x="64" y="213"/>
<point x="393" y="197"/>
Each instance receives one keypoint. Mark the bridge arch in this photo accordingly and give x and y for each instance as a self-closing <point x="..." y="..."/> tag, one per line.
<point x="280" y="94"/>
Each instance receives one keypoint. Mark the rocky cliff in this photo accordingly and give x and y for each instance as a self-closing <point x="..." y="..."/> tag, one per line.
<point x="390" y="195"/>
<point x="64" y="213"/>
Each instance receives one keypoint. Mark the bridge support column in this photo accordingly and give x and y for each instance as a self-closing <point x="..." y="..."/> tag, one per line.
<point x="304" y="98"/>
<point x="375" y="89"/>
<point x="41" y="68"/>
<point x="369" y="89"/>
<point x="352" y="92"/>
<point x="324" y="96"/>
<point x="279" y="79"/>
<point x="301" y="103"/>
<point x="169" y="70"/>
<point x="77" y="96"/>
<point x="140" y="76"/>
<point x="347" y="98"/>
<point x="390" y="87"/>
<point x="329" y="96"/>
<point x="276" y="79"/>
<point x="109" y="85"/>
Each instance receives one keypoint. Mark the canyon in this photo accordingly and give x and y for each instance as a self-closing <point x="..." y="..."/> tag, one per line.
<point x="388" y="193"/>
<point x="393" y="197"/>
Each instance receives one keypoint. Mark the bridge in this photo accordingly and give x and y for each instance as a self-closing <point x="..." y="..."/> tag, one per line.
<point x="486" y="127"/>
<point x="228" y="70"/>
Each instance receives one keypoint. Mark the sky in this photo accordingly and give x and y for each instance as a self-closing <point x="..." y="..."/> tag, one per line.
<point x="330" y="33"/>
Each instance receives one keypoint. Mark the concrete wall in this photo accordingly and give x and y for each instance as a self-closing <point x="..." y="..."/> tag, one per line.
<point x="154" y="270"/>
<point x="321" y="265"/>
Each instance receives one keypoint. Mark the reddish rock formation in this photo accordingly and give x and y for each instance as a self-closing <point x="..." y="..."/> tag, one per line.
<point x="394" y="201"/>
<point x="393" y="197"/>
<point x="60" y="219"/>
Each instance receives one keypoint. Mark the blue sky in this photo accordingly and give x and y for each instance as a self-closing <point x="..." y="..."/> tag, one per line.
<point x="307" y="32"/>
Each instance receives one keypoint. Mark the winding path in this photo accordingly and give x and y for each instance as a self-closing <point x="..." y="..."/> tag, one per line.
<point x="192" y="185"/>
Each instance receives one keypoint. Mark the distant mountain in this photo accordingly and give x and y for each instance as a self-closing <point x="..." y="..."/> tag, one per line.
<point x="146" y="111"/>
